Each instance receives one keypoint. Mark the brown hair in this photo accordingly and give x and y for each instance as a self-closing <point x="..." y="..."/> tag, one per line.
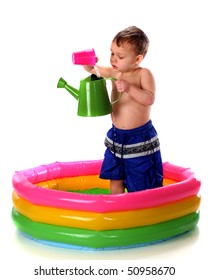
<point x="135" y="36"/>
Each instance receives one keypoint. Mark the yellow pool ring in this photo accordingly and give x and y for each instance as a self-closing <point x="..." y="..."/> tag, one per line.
<point x="79" y="183"/>
<point x="108" y="220"/>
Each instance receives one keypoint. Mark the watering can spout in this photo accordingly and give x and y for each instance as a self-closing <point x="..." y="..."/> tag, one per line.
<point x="73" y="91"/>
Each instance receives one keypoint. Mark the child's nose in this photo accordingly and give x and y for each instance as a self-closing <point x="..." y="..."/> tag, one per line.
<point x="113" y="59"/>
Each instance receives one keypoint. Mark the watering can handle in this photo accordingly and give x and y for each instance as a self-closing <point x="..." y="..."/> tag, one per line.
<point x="115" y="101"/>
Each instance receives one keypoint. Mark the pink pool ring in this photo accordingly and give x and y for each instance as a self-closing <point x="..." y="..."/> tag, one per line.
<point x="60" y="187"/>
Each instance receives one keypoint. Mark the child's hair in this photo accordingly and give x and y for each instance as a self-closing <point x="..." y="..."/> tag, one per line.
<point x="135" y="36"/>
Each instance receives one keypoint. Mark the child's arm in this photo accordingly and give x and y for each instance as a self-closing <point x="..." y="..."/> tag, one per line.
<point x="106" y="72"/>
<point x="102" y="71"/>
<point x="145" y="94"/>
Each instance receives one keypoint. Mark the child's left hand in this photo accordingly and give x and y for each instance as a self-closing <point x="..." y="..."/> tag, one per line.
<point x="122" y="86"/>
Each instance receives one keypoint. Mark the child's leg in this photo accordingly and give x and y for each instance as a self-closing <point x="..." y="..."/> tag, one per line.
<point x="117" y="186"/>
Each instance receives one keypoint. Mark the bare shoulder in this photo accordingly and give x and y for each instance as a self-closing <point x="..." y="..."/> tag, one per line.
<point x="146" y="75"/>
<point x="145" y="72"/>
<point x="147" y="80"/>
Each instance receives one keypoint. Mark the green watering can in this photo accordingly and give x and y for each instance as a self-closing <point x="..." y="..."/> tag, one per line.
<point x="92" y="96"/>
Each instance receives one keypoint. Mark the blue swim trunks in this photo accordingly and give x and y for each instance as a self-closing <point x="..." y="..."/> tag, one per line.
<point x="133" y="156"/>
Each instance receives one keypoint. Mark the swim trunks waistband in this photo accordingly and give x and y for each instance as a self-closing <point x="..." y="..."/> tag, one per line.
<point x="133" y="150"/>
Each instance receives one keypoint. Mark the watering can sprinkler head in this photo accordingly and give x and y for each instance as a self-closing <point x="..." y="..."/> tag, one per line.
<point x="92" y="96"/>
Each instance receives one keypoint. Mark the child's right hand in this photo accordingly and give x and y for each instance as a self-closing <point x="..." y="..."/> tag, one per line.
<point x="89" y="68"/>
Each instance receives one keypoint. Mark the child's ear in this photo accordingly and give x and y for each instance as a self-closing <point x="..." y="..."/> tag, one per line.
<point x="139" y="58"/>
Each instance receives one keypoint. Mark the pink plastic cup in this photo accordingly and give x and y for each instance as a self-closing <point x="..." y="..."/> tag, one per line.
<point x="86" y="57"/>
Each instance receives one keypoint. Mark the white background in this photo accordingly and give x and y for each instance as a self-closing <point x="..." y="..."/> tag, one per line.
<point x="39" y="125"/>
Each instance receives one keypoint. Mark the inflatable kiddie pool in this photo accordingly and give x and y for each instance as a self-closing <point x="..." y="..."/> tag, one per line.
<point x="66" y="204"/>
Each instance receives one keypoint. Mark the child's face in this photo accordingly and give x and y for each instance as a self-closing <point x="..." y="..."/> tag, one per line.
<point x="123" y="58"/>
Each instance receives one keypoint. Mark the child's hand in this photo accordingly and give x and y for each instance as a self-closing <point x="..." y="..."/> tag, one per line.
<point x="122" y="86"/>
<point x="89" y="68"/>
